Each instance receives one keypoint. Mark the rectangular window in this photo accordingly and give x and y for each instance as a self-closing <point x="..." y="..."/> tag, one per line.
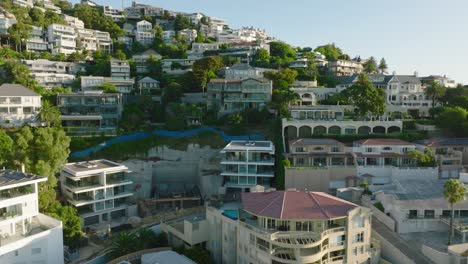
<point x="359" y="237"/>
<point x="413" y="214"/>
<point x="429" y="214"/>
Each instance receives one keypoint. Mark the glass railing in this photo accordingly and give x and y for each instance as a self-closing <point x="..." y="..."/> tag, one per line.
<point x="16" y="192"/>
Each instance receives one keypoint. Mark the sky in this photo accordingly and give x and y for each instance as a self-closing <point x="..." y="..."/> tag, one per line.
<point x="427" y="36"/>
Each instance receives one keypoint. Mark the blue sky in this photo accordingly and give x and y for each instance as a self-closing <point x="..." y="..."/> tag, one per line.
<point x="428" y="36"/>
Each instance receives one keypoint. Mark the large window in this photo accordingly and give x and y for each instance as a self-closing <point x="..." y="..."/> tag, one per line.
<point x="429" y="214"/>
<point x="413" y="214"/>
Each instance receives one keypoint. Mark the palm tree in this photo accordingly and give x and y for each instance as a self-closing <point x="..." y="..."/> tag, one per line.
<point x="434" y="92"/>
<point x="49" y="114"/>
<point x="122" y="244"/>
<point x="454" y="192"/>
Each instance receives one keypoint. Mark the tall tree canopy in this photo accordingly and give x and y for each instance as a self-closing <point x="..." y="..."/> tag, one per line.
<point x="370" y="66"/>
<point x="205" y="69"/>
<point x="330" y="51"/>
<point x="366" y="98"/>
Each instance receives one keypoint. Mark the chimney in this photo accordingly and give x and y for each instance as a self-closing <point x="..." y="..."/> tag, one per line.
<point x="23" y="170"/>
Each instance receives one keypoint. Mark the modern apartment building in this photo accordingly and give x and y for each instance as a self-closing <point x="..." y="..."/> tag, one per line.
<point x="236" y="95"/>
<point x="246" y="164"/>
<point x="142" y="60"/>
<point x="120" y="69"/>
<point x="116" y="14"/>
<point x="90" y="112"/>
<point x="281" y="227"/>
<point x="27" y="236"/>
<point x="451" y="154"/>
<point x="104" y="41"/>
<point x="86" y="39"/>
<point x="62" y="39"/>
<point x="100" y="191"/>
<point x="73" y="21"/>
<point x="344" y="67"/>
<point x="320" y="165"/>
<point x="18" y="105"/>
<point x="199" y="48"/>
<point x="37" y="41"/>
<point x="189" y="35"/>
<point x="52" y="74"/>
<point x="6" y="21"/>
<point x="244" y="71"/>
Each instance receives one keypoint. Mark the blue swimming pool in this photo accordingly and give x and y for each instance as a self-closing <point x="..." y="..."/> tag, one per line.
<point x="233" y="214"/>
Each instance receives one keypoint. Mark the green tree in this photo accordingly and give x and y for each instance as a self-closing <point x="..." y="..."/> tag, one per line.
<point x="282" y="50"/>
<point x="235" y="123"/>
<point x="435" y="92"/>
<point x="49" y="114"/>
<point x="16" y="72"/>
<point x="261" y="58"/>
<point x="454" y="192"/>
<point x="453" y="120"/>
<point x="204" y="69"/>
<point x="366" y="98"/>
<point x="43" y="151"/>
<point x="122" y="244"/>
<point x="370" y="66"/>
<point x="330" y="51"/>
<point x="424" y="158"/>
<point x="181" y="22"/>
<point x="282" y="95"/>
<point x="71" y="223"/>
<point x="172" y="93"/>
<point x="108" y="88"/>
<point x="6" y="146"/>
<point x="383" y="66"/>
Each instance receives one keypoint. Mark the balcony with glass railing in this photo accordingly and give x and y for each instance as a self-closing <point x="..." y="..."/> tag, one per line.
<point x="117" y="178"/>
<point x="83" y="183"/>
<point x="16" y="192"/>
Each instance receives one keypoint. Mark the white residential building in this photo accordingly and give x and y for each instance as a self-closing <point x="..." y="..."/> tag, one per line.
<point x="144" y="25"/>
<point x="244" y="71"/>
<point x="27" y="236"/>
<point x="104" y="41"/>
<point x="406" y="90"/>
<point x="344" y="67"/>
<point x="418" y="205"/>
<point x="142" y="60"/>
<point x="91" y="83"/>
<point x="86" y="39"/>
<point x="24" y="3"/>
<point x="99" y="189"/>
<point x="62" y="39"/>
<point x="189" y="35"/>
<point x="380" y="161"/>
<point x="37" y="41"/>
<point x="52" y="74"/>
<point x="199" y="48"/>
<point x="306" y="96"/>
<point x="6" y="21"/>
<point x="116" y="14"/>
<point x="18" y="105"/>
<point x="247" y="164"/>
<point x="177" y="66"/>
<point x="281" y="227"/>
<point x="73" y="21"/>
<point x="145" y="38"/>
<point x="148" y="85"/>
<point x="168" y="35"/>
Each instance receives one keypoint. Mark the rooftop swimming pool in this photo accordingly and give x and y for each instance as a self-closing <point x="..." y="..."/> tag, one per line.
<point x="233" y="214"/>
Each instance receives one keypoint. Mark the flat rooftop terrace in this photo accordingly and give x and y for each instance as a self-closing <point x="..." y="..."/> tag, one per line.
<point x="86" y="166"/>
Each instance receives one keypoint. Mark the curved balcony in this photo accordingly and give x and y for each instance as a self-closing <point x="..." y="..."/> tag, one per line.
<point x="302" y="239"/>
